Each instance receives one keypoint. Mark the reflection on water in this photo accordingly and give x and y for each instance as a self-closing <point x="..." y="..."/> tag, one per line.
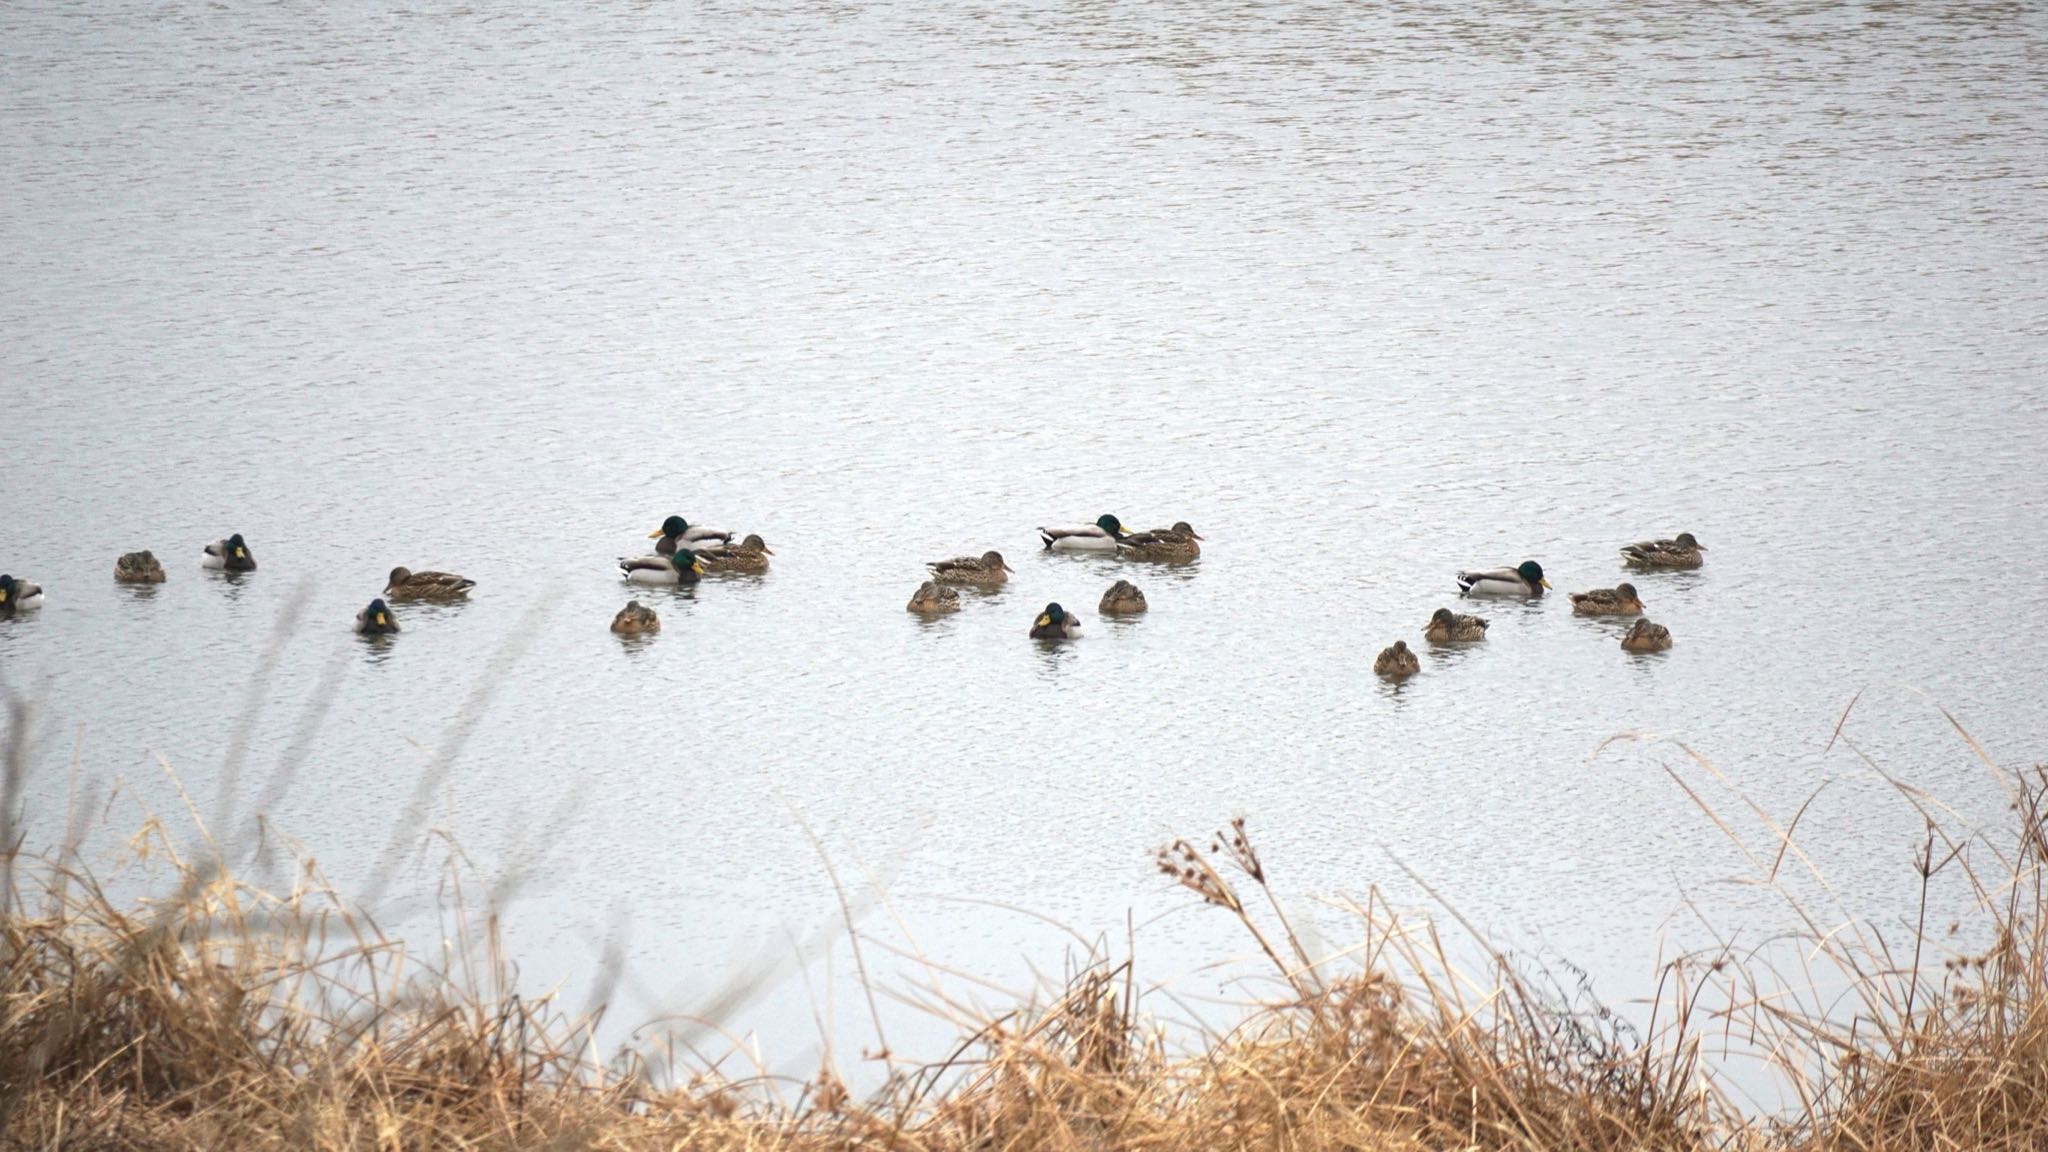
<point x="1366" y="296"/>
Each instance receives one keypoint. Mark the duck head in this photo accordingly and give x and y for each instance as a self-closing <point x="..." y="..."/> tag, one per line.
<point x="8" y="590"/>
<point x="1111" y="525"/>
<point x="994" y="559"/>
<point x="399" y="575"/>
<point x="1442" y="617"/>
<point x="1533" y="573"/>
<point x="377" y="618"/>
<point x="673" y="526"/>
<point x="238" y="557"/>
<point x="755" y="542"/>
<point x="1053" y="616"/>
<point x="686" y="560"/>
<point x="1685" y="540"/>
<point x="1628" y="592"/>
<point x="1187" y="529"/>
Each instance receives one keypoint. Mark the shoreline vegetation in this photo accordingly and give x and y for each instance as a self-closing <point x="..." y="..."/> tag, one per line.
<point x="220" y="1015"/>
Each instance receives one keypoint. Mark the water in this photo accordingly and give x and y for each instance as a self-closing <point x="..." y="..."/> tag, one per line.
<point x="1367" y="296"/>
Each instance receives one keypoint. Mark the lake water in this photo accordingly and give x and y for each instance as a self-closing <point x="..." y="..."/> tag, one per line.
<point x="1367" y="295"/>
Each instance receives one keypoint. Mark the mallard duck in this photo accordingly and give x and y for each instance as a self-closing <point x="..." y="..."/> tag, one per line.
<point x="987" y="568"/>
<point x="19" y="596"/>
<point x="681" y="568"/>
<point x="376" y="620"/>
<point x="1525" y="579"/>
<point x="676" y="532"/>
<point x="932" y="599"/>
<point x="1179" y="542"/>
<point x="1055" y="623"/>
<point x="1681" y="551"/>
<point x="1397" y="663"/>
<point x="1122" y="599"/>
<point x="406" y="584"/>
<point x="636" y="619"/>
<point x="229" y="555"/>
<point x="1646" y="637"/>
<point x="1620" y="600"/>
<point x="749" y="555"/>
<point x="1446" y="626"/>
<point x="138" y="568"/>
<point x="1101" y="536"/>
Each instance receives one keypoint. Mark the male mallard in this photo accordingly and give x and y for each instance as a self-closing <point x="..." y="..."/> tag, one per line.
<point x="676" y="532"/>
<point x="138" y="568"/>
<point x="376" y="620"/>
<point x="987" y="568"/>
<point x="1397" y="663"/>
<point x="1101" y="536"/>
<point x="681" y="568"/>
<point x="1646" y="637"/>
<point x="1446" y="626"/>
<point x="1055" y="623"/>
<point x="1122" y="599"/>
<point x="749" y="555"/>
<point x="1526" y="579"/>
<point x="230" y="555"/>
<point x="932" y="599"/>
<point x="1620" y="600"/>
<point x="19" y="596"/>
<point x="406" y="584"/>
<point x="636" y="619"/>
<point x="1680" y="552"/>
<point x="1179" y="542"/>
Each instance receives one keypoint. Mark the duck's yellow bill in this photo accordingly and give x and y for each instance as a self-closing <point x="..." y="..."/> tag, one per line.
<point x="698" y="568"/>
<point x="3" y="595"/>
<point x="654" y="535"/>
<point x="1544" y="582"/>
<point x="380" y="619"/>
<point x="239" y="553"/>
<point x="1044" y="620"/>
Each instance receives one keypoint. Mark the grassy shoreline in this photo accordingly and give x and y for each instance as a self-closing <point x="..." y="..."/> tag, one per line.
<point x="220" y="1015"/>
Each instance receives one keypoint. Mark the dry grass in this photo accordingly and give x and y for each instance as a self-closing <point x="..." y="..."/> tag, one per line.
<point x="220" y="1016"/>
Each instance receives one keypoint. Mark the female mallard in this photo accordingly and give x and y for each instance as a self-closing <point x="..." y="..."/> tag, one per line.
<point x="229" y="555"/>
<point x="376" y="620"/>
<point x="1620" y="600"/>
<point x="636" y="619"/>
<point x="932" y="599"/>
<point x="681" y="568"/>
<point x="749" y="555"/>
<point x="1102" y="536"/>
<point x="1526" y="579"/>
<point x="1681" y="551"/>
<point x="676" y="532"/>
<point x="1646" y="637"/>
<point x="1055" y="623"/>
<point x="1122" y="599"/>
<point x="138" y="568"/>
<point x="987" y="568"/>
<point x="1446" y="627"/>
<point x="406" y="584"/>
<point x="1397" y="663"/>
<point x="1179" y="542"/>
<point x="19" y="596"/>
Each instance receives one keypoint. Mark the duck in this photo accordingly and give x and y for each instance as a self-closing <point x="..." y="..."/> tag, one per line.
<point x="1681" y="551"/>
<point x="987" y="568"/>
<point x="676" y="532"/>
<point x="1646" y="637"/>
<point x="749" y="555"/>
<point x="376" y="620"/>
<point x="1620" y="600"/>
<point x="636" y="619"/>
<point x="1397" y="662"/>
<point x="1122" y="599"/>
<point x="406" y="584"/>
<point x="138" y="568"/>
<point x="1180" y="542"/>
<point x="229" y="555"/>
<point x="19" y="596"/>
<point x="681" y="568"/>
<point x="1446" y="627"/>
<point x="1525" y="579"/>
<point x="1055" y="623"/>
<point x="1102" y="536"/>
<point x="933" y="599"/>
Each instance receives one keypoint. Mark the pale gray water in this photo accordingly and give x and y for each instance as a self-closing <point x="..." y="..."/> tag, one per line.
<point x="1366" y="295"/>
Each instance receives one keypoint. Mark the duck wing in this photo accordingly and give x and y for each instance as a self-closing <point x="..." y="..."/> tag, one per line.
<point x="631" y="564"/>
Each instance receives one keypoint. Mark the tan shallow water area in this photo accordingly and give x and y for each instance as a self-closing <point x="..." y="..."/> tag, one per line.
<point x="1369" y="297"/>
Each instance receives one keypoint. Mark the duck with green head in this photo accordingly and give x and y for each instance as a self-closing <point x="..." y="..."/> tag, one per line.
<point x="1055" y="623"/>
<point x="229" y="555"/>
<point x="1525" y="579"/>
<point x="681" y="568"/>
<point x="376" y="620"/>
<point x="1102" y="536"/>
<point x="676" y="532"/>
<point x="18" y="596"/>
<point x="1178" y="543"/>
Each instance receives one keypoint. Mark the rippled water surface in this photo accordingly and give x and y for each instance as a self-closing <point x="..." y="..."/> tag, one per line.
<point x="1366" y="294"/>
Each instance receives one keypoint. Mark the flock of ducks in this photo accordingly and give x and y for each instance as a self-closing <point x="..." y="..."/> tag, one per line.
<point x="684" y="553"/>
